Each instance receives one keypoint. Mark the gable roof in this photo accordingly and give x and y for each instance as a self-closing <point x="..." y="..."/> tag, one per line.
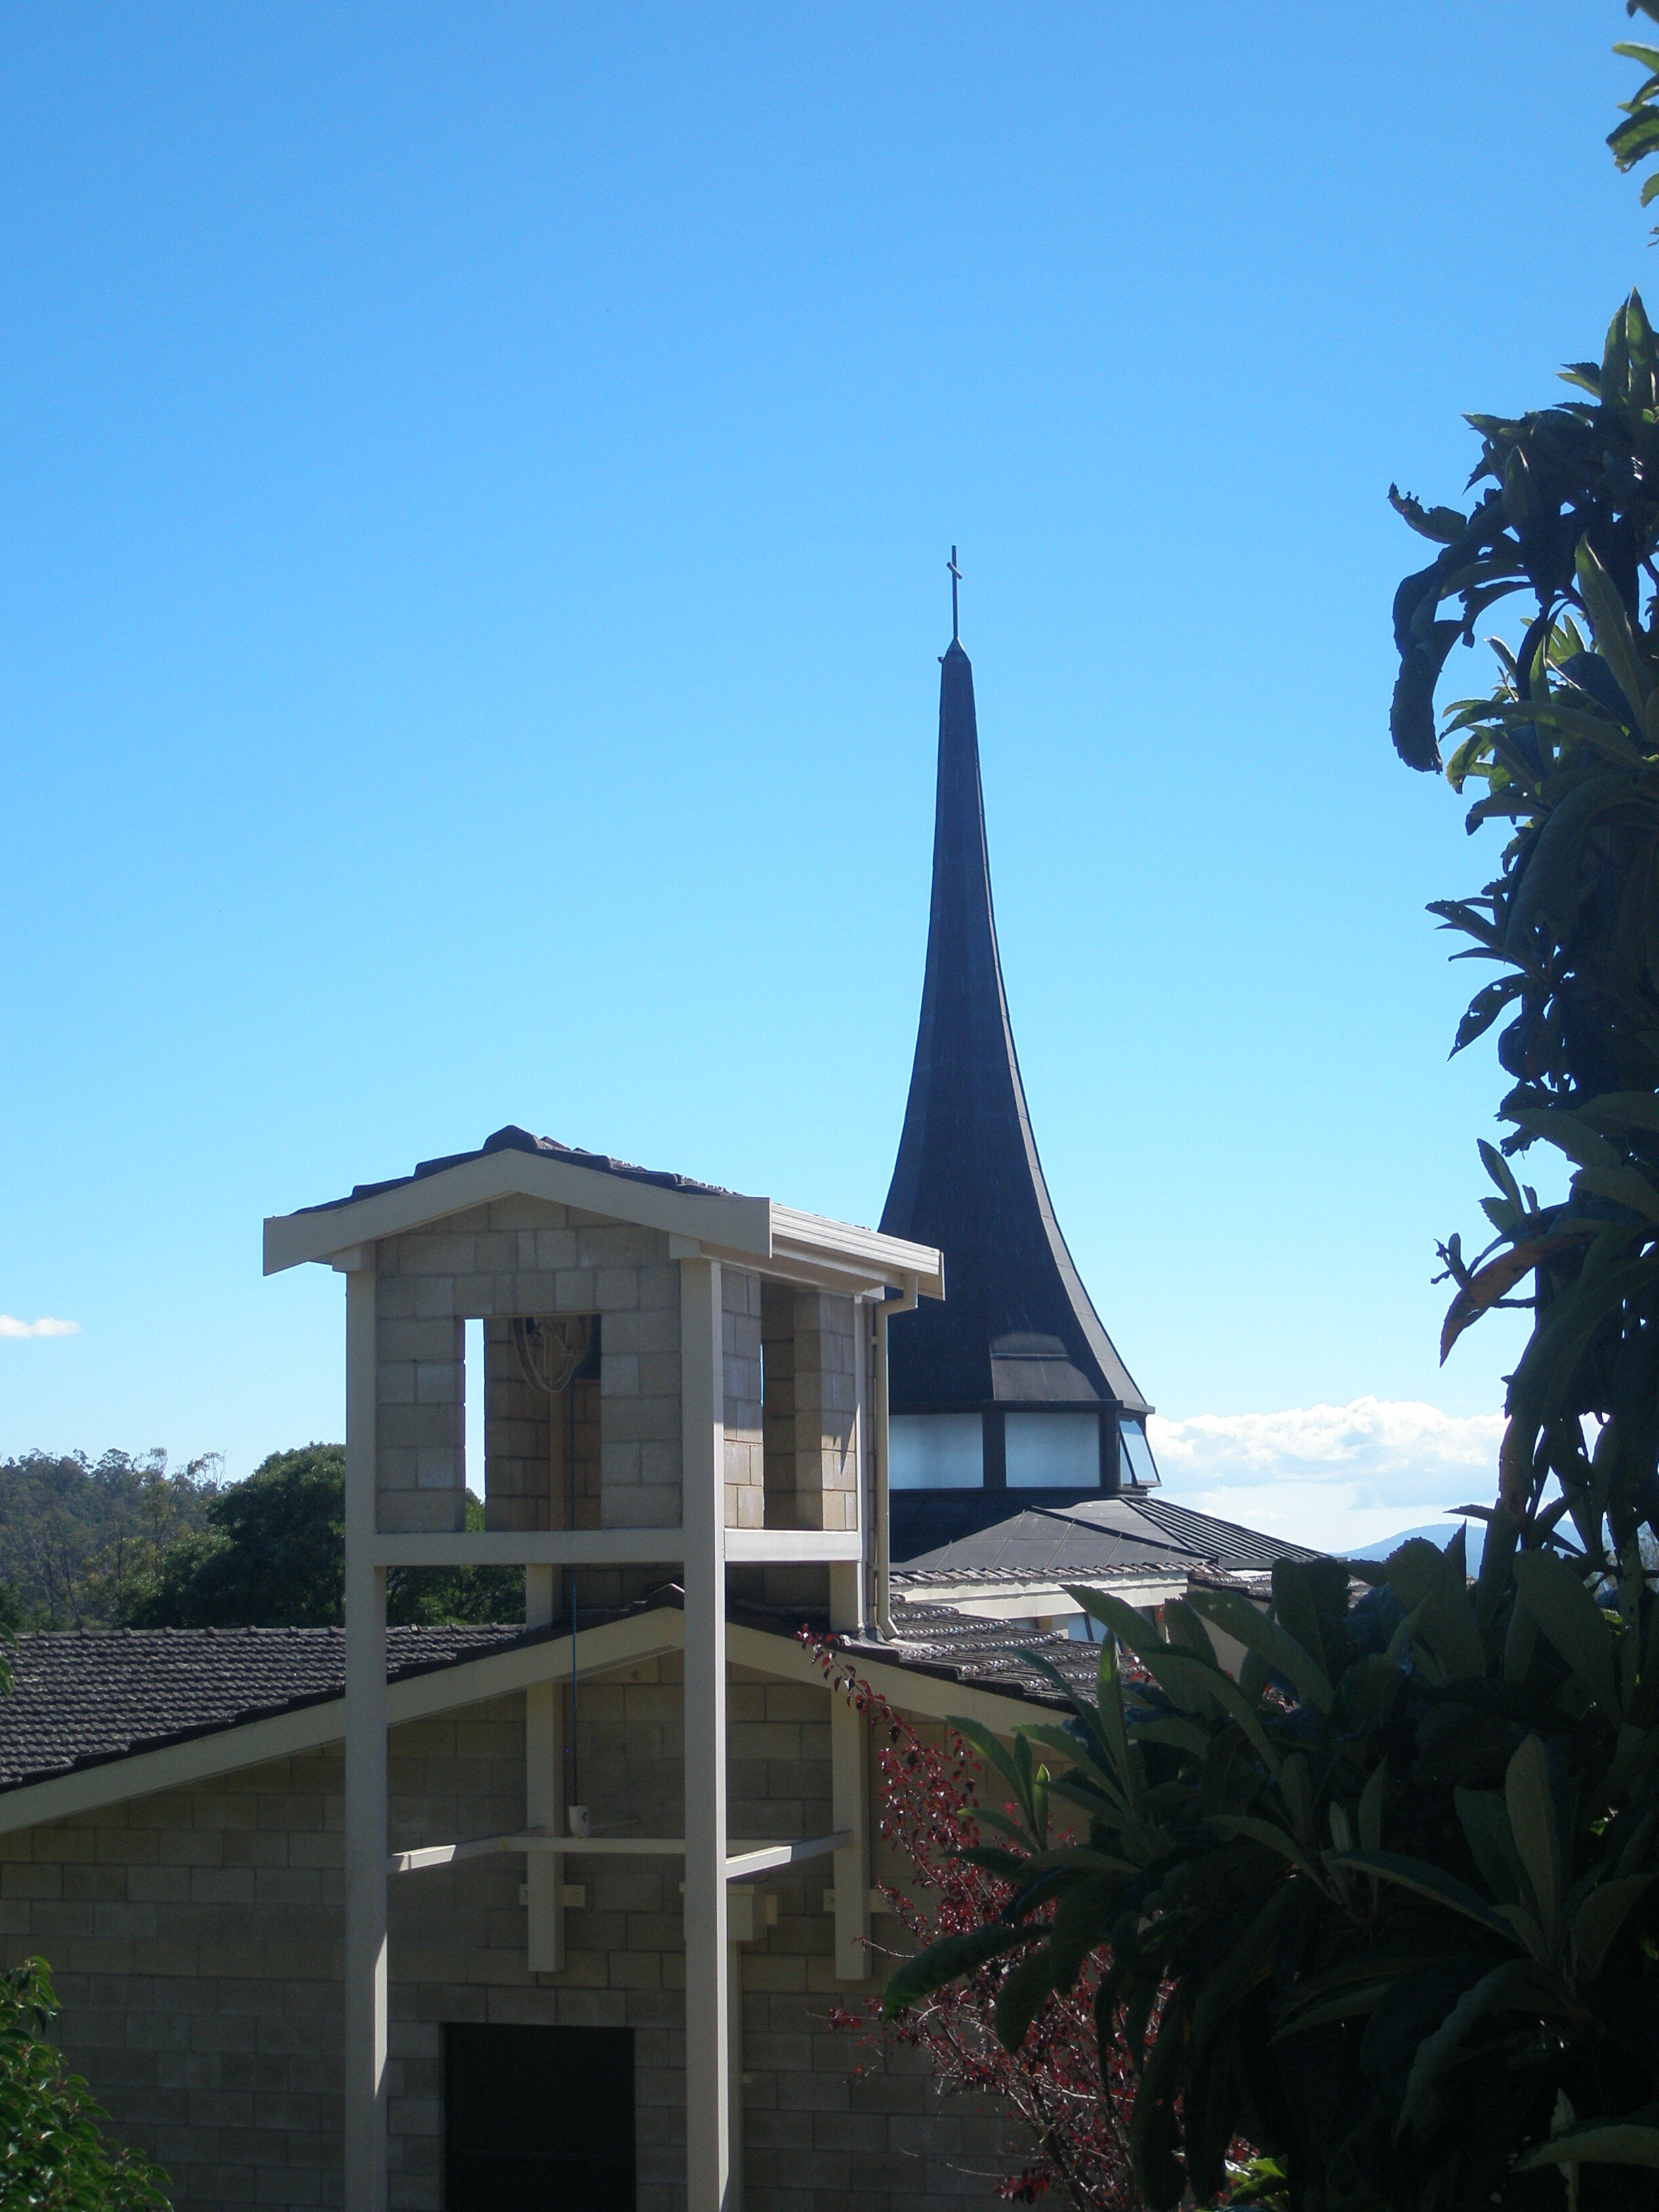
<point x="511" y="1163"/>
<point x="83" y="1697"/>
<point x="101" y="1716"/>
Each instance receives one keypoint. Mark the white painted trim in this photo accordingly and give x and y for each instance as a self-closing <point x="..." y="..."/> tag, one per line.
<point x="708" y="1958"/>
<point x="761" y="1858"/>
<point x="745" y="1223"/>
<point x="288" y="1735"/>
<point x="780" y="1546"/>
<point x="474" y="1682"/>
<point x="892" y="1258"/>
<point x="533" y="1547"/>
<point x="1041" y="1601"/>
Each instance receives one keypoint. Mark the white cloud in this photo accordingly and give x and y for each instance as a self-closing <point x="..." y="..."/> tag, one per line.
<point x="10" y="1326"/>
<point x="1334" y="1476"/>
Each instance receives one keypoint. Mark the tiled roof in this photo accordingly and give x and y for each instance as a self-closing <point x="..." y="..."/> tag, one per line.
<point x="1070" y="1542"/>
<point x="981" y="1655"/>
<point x="83" y="1697"/>
<point x="514" y="1140"/>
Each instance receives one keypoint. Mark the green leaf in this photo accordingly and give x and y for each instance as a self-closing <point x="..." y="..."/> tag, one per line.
<point x="1369" y="1817"/>
<point x="1014" y="1770"/>
<point x="1295" y="1608"/>
<point x="1428" y="1881"/>
<point x="1602" y="1168"/>
<point x="1485" y="1823"/>
<point x="1547" y="890"/>
<point x="1268" y="1832"/>
<point x="1020" y="1998"/>
<point x="1082" y="1923"/>
<point x="949" y="1960"/>
<point x="1515" y="1984"/>
<point x="1601" y="1916"/>
<point x="1570" y="1617"/>
<point x="1283" y="1653"/>
<point x="1597" y="2143"/>
<point x="1158" y="2173"/>
<point x="1531" y="1808"/>
<point x="1614" y="639"/>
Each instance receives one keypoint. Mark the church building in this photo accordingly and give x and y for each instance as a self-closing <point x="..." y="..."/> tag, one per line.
<point x="558" y="1914"/>
<point x="1013" y="1384"/>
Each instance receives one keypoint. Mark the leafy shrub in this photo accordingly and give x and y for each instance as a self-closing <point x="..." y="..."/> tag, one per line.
<point x="1393" y="1889"/>
<point x="1068" y="2139"/>
<point x="52" y="2158"/>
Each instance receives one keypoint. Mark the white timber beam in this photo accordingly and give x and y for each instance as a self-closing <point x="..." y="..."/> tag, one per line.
<point x="543" y="1791"/>
<point x="707" y="1960"/>
<point x="849" y="1783"/>
<point x="532" y="1547"/>
<point x="365" y="2084"/>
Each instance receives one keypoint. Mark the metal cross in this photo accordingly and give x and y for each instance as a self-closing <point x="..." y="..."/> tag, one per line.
<point x="955" y="579"/>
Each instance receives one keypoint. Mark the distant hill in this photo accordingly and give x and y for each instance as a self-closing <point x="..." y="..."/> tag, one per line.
<point x="78" y="1537"/>
<point x="1438" y="1533"/>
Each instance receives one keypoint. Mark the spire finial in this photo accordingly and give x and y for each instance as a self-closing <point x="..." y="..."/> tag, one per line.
<point x="955" y="579"/>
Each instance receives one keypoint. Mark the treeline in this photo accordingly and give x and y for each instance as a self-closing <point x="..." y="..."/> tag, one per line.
<point x="125" y="1543"/>
<point x="79" y="1540"/>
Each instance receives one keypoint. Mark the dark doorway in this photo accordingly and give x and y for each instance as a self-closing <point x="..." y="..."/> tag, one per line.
<point x="537" y="2119"/>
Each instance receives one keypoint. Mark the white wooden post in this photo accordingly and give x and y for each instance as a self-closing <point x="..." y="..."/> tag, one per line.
<point x="544" y="1791"/>
<point x="849" y="1785"/>
<point x="365" y="1773"/>
<point x="707" y="1966"/>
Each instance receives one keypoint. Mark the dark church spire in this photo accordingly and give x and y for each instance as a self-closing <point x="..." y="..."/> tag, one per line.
<point x="1016" y="1327"/>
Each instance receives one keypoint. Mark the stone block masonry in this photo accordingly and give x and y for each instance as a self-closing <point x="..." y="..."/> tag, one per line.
<point x="523" y="1257"/>
<point x="809" y="1344"/>
<point x="745" y="1455"/>
<point x="195" y="1938"/>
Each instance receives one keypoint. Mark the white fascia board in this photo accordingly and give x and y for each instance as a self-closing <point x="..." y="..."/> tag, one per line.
<point x="286" y="1736"/>
<point x="474" y="1681"/>
<point x="1021" y="1601"/>
<point x="929" y="1697"/>
<point x="889" y="1259"/>
<point x="742" y="1224"/>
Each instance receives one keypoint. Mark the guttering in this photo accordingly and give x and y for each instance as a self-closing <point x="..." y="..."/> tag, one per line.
<point x="906" y="1303"/>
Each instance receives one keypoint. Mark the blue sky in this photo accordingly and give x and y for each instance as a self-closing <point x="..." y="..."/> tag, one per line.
<point x="475" y="487"/>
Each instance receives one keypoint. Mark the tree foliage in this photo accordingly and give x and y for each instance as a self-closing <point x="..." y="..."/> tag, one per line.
<point x="270" y="1553"/>
<point x="78" y="1536"/>
<point x="52" y="2157"/>
<point x="1387" y="1905"/>
<point x="1063" y="2137"/>
<point x="1384" y="1906"/>
<point x="1565" y="750"/>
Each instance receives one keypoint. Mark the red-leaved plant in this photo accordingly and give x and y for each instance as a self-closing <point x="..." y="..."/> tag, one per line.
<point x="1067" y="2136"/>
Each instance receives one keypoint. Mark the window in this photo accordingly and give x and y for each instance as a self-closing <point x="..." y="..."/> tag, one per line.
<point x="1052" y="1451"/>
<point x="1139" y="1465"/>
<point x="539" y="2117"/>
<point x="936" y="1451"/>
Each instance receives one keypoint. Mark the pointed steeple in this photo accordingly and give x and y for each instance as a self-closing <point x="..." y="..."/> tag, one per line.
<point x="1016" y="1327"/>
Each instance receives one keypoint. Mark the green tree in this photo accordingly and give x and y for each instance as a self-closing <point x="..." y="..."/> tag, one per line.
<point x="272" y="1554"/>
<point x="1387" y="1906"/>
<point x="52" y="2157"/>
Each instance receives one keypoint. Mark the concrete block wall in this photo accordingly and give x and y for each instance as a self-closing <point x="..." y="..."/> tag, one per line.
<point x="778" y="1417"/>
<point x="745" y="1457"/>
<point x="195" y="1938"/>
<point x="826" y="1407"/>
<point x="527" y="1445"/>
<point x="524" y="1256"/>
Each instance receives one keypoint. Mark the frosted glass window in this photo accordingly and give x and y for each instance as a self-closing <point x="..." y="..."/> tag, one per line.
<point x="936" y="1451"/>
<point x="1139" y="1465"/>
<point x="1052" y="1451"/>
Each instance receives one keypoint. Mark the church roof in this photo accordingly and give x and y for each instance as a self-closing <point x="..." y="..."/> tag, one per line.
<point x="1018" y="1327"/>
